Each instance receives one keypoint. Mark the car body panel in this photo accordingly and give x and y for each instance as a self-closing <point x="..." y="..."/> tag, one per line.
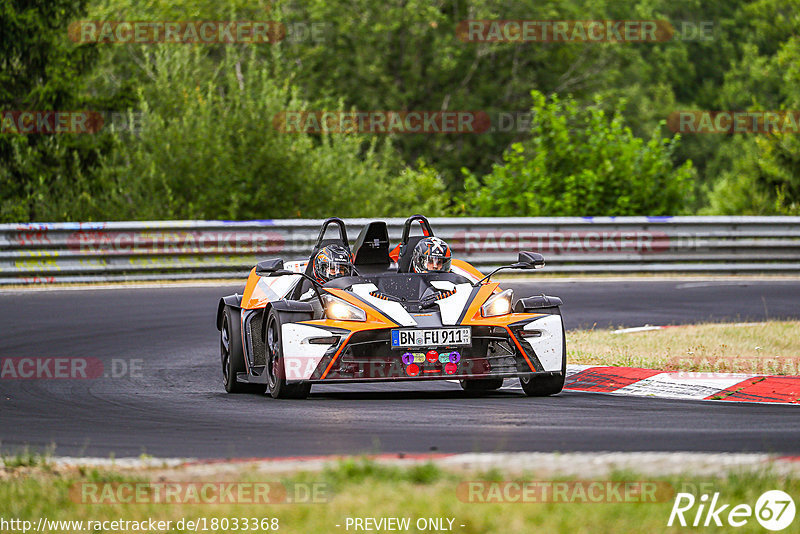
<point x="549" y="343"/>
<point x="301" y="356"/>
<point x="465" y="269"/>
<point x="391" y="309"/>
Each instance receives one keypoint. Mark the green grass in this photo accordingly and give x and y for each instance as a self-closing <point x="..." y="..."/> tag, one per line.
<point x="771" y="347"/>
<point x="363" y="488"/>
<point x="26" y="458"/>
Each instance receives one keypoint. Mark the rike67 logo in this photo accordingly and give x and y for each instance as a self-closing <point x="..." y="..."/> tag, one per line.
<point x="774" y="510"/>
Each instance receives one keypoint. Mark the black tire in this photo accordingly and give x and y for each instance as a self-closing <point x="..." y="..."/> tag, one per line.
<point x="542" y="386"/>
<point x="276" y="373"/>
<point x="481" y="385"/>
<point x="546" y="385"/>
<point x="231" y="353"/>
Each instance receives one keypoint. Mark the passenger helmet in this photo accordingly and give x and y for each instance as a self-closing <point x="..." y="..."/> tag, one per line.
<point x="431" y="255"/>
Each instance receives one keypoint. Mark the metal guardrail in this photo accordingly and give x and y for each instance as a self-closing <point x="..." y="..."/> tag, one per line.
<point x="33" y="253"/>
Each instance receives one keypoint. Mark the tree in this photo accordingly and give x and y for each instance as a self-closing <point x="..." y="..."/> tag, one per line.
<point x="40" y="70"/>
<point x="581" y="162"/>
<point x="764" y="177"/>
<point x="208" y="148"/>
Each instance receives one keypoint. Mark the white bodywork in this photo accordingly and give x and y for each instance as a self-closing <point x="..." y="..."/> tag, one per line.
<point x="393" y="310"/>
<point x="452" y="306"/>
<point x="549" y="346"/>
<point x="300" y="357"/>
<point x="278" y="287"/>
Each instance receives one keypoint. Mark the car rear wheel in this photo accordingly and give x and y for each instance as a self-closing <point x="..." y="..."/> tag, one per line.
<point x="231" y="353"/>
<point x="481" y="385"/>
<point x="276" y="371"/>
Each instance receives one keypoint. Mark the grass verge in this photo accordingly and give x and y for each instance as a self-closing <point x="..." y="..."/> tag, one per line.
<point x="771" y="347"/>
<point x="365" y="489"/>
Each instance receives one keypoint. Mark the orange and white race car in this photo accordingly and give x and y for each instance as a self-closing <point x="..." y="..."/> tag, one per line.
<point x="380" y="320"/>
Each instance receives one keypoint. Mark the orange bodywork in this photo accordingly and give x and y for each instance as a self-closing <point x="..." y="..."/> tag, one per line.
<point x="473" y="316"/>
<point x="461" y="264"/>
<point x="254" y="296"/>
<point x="260" y="290"/>
<point x="375" y="321"/>
<point x="395" y="253"/>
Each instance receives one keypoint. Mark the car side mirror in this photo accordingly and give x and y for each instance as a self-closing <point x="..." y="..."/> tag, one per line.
<point x="526" y="260"/>
<point x="530" y="260"/>
<point x="269" y="267"/>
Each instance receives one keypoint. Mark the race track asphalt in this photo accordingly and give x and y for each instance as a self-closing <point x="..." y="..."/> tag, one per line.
<point x="173" y="405"/>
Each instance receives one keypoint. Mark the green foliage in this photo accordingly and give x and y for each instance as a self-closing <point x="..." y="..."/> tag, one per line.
<point x="581" y="162"/>
<point x="351" y="471"/>
<point x="43" y="176"/>
<point x="405" y="55"/>
<point x="209" y="149"/>
<point x="27" y="458"/>
<point x="764" y="176"/>
<point x="386" y="491"/>
<point x="39" y="68"/>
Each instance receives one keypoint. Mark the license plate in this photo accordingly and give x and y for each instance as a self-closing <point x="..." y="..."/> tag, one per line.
<point x="432" y="337"/>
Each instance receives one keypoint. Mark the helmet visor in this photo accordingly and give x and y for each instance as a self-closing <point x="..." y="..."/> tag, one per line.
<point x="436" y="263"/>
<point x="336" y="269"/>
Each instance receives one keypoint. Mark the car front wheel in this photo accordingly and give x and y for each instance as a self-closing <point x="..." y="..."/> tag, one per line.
<point x="231" y="353"/>
<point x="276" y="370"/>
<point x="481" y="385"/>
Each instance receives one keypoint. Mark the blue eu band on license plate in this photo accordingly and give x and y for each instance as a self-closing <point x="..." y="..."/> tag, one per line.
<point x="431" y="337"/>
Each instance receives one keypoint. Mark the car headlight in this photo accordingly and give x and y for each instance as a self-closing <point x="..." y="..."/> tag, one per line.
<point x="499" y="304"/>
<point x="340" y="310"/>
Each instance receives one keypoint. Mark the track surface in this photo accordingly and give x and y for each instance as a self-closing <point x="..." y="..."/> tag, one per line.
<point x="177" y="407"/>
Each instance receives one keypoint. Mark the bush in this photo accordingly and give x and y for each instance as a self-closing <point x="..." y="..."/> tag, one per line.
<point x="208" y="150"/>
<point x="581" y="162"/>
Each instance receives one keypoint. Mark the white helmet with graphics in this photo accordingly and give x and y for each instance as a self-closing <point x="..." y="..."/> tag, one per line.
<point x="431" y="255"/>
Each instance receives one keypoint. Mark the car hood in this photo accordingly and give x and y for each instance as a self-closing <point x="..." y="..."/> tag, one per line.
<point x="446" y="311"/>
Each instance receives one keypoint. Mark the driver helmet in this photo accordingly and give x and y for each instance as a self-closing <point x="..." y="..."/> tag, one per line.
<point x="431" y="255"/>
<point x="332" y="261"/>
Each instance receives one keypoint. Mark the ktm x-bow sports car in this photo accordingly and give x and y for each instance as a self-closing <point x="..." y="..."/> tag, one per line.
<point x="380" y="319"/>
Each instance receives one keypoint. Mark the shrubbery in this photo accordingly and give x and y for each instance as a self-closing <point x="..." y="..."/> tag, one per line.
<point x="208" y="150"/>
<point x="207" y="147"/>
<point x="581" y="162"/>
